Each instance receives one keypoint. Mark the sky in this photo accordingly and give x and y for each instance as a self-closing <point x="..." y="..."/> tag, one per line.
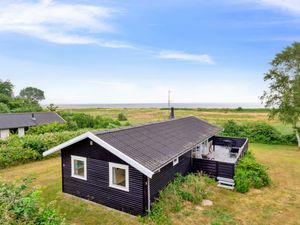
<point x="134" y="51"/>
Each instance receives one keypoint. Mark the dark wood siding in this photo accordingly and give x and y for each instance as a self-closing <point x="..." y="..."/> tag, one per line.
<point x="226" y="170"/>
<point x="236" y="142"/>
<point x="214" y="168"/>
<point x="209" y="167"/>
<point x="96" y="187"/>
<point x="167" y="174"/>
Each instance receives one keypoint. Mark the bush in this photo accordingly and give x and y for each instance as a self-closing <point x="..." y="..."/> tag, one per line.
<point x="3" y="108"/>
<point x="122" y="117"/>
<point x="250" y="174"/>
<point x="15" y="150"/>
<point x="14" y="155"/>
<point x="258" y="132"/>
<point x="80" y="120"/>
<point x="241" y="181"/>
<point x="192" y="188"/>
<point x="48" y="128"/>
<point x="76" y="121"/>
<point x="19" y="205"/>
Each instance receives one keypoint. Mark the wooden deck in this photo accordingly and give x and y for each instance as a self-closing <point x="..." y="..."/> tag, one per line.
<point x="220" y="162"/>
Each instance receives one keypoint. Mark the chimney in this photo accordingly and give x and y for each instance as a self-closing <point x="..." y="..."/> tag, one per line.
<point x="33" y="117"/>
<point x="172" y="114"/>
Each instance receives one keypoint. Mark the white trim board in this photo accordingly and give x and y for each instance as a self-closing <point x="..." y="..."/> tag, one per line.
<point x="105" y="145"/>
<point x="111" y="174"/>
<point x="79" y="158"/>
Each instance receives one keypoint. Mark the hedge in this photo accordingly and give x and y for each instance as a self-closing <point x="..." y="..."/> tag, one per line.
<point x="258" y="132"/>
<point x="15" y="150"/>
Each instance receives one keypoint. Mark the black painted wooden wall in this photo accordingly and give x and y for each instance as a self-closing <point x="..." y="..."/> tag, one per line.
<point x="167" y="174"/>
<point x="96" y="187"/>
<point x="214" y="168"/>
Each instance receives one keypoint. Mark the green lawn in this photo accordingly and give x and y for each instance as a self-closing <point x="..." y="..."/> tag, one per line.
<point x="277" y="204"/>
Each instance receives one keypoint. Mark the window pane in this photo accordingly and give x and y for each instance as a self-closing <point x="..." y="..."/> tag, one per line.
<point x="119" y="177"/>
<point x="79" y="168"/>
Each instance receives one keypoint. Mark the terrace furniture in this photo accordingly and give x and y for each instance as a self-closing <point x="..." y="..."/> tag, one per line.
<point x="234" y="151"/>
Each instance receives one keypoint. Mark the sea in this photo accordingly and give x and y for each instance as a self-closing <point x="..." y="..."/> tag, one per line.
<point x="164" y="105"/>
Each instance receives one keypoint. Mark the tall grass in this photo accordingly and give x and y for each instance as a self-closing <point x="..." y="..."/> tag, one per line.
<point x="191" y="188"/>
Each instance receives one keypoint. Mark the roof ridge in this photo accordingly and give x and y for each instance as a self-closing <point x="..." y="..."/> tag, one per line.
<point x="18" y="113"/>
<point x="139" y="125"/>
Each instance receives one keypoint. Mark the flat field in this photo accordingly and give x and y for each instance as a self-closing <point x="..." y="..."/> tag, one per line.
<point x="217" y="116"/>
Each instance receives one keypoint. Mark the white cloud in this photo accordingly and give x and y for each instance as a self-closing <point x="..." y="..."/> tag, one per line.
<point x="183" y="56"/>
<point x="292" y="6"/>
<point x="58" y="22"/>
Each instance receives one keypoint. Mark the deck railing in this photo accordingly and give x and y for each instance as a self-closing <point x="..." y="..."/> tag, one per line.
<point x="216" y="168"/>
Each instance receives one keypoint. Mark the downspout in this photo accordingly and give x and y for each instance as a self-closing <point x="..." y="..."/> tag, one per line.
<point x="149" y="200"/>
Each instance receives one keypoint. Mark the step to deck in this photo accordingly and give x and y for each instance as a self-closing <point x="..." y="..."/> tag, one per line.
<point x="225" y="182"/>
<point x="225" y="179"/>
<point x="226" y="186"/>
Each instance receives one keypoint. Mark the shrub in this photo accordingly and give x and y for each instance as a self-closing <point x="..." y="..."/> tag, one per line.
<point x="15" y="150"/>
<point x="80" y="120"/>
<point x="11" y="155"/>
<point x="122" y="117"/>
<point x="3" y="108"/>
<point x="76" y="121"/>
<point x="192" y="188"/>
<point x="19" y="205"/>
<point x="250" y="174"/>
<point x="48" y="128"/>
<point x="241" y="181"/>
<point x="232" y="129"/>
<point x="257" y="132"/>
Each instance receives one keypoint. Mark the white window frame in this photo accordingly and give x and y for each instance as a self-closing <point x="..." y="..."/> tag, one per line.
<point x="119" y="166"/>
<point x="175" y="161"/>
<point x="79" y="158"/>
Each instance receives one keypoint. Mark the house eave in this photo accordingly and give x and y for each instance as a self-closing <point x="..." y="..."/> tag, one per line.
<point x="105" y="145"/>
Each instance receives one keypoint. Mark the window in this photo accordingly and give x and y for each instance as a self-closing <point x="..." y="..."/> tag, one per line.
<point x="78" y="167"/>
<point x="175" y="161"/>
<point x="119" y="176"/>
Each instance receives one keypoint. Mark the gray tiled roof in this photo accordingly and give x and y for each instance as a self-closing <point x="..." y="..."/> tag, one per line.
<point x="154" y="145"/>
<point x="16" y="120"/>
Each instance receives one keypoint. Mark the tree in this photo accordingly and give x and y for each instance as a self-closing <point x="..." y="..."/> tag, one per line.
<point x="52" y="107"/>
<point x="6" y="88"/>
<point x="19" y="104"/>
<point x="33" y="94"/>
<point x="283" y="96"/>
<point x="3" y="108"/>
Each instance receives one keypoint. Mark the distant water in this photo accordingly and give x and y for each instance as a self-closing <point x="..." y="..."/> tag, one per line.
<point x="164" y="105"/>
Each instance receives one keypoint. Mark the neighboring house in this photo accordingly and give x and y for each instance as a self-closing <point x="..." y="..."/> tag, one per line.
<point x="20" y="122"/>
<point x="126" y="168"/>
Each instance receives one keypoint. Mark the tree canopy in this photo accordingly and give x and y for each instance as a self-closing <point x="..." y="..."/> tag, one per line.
<point x="32" y="94"/>
<point x="6" y="88"/>
<point x="27" y="102"/>
<point x="283" y="95"/>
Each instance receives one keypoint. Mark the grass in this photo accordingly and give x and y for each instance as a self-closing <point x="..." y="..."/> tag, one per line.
<point x="277" y="204"/>
<point x="218" y="116"/>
